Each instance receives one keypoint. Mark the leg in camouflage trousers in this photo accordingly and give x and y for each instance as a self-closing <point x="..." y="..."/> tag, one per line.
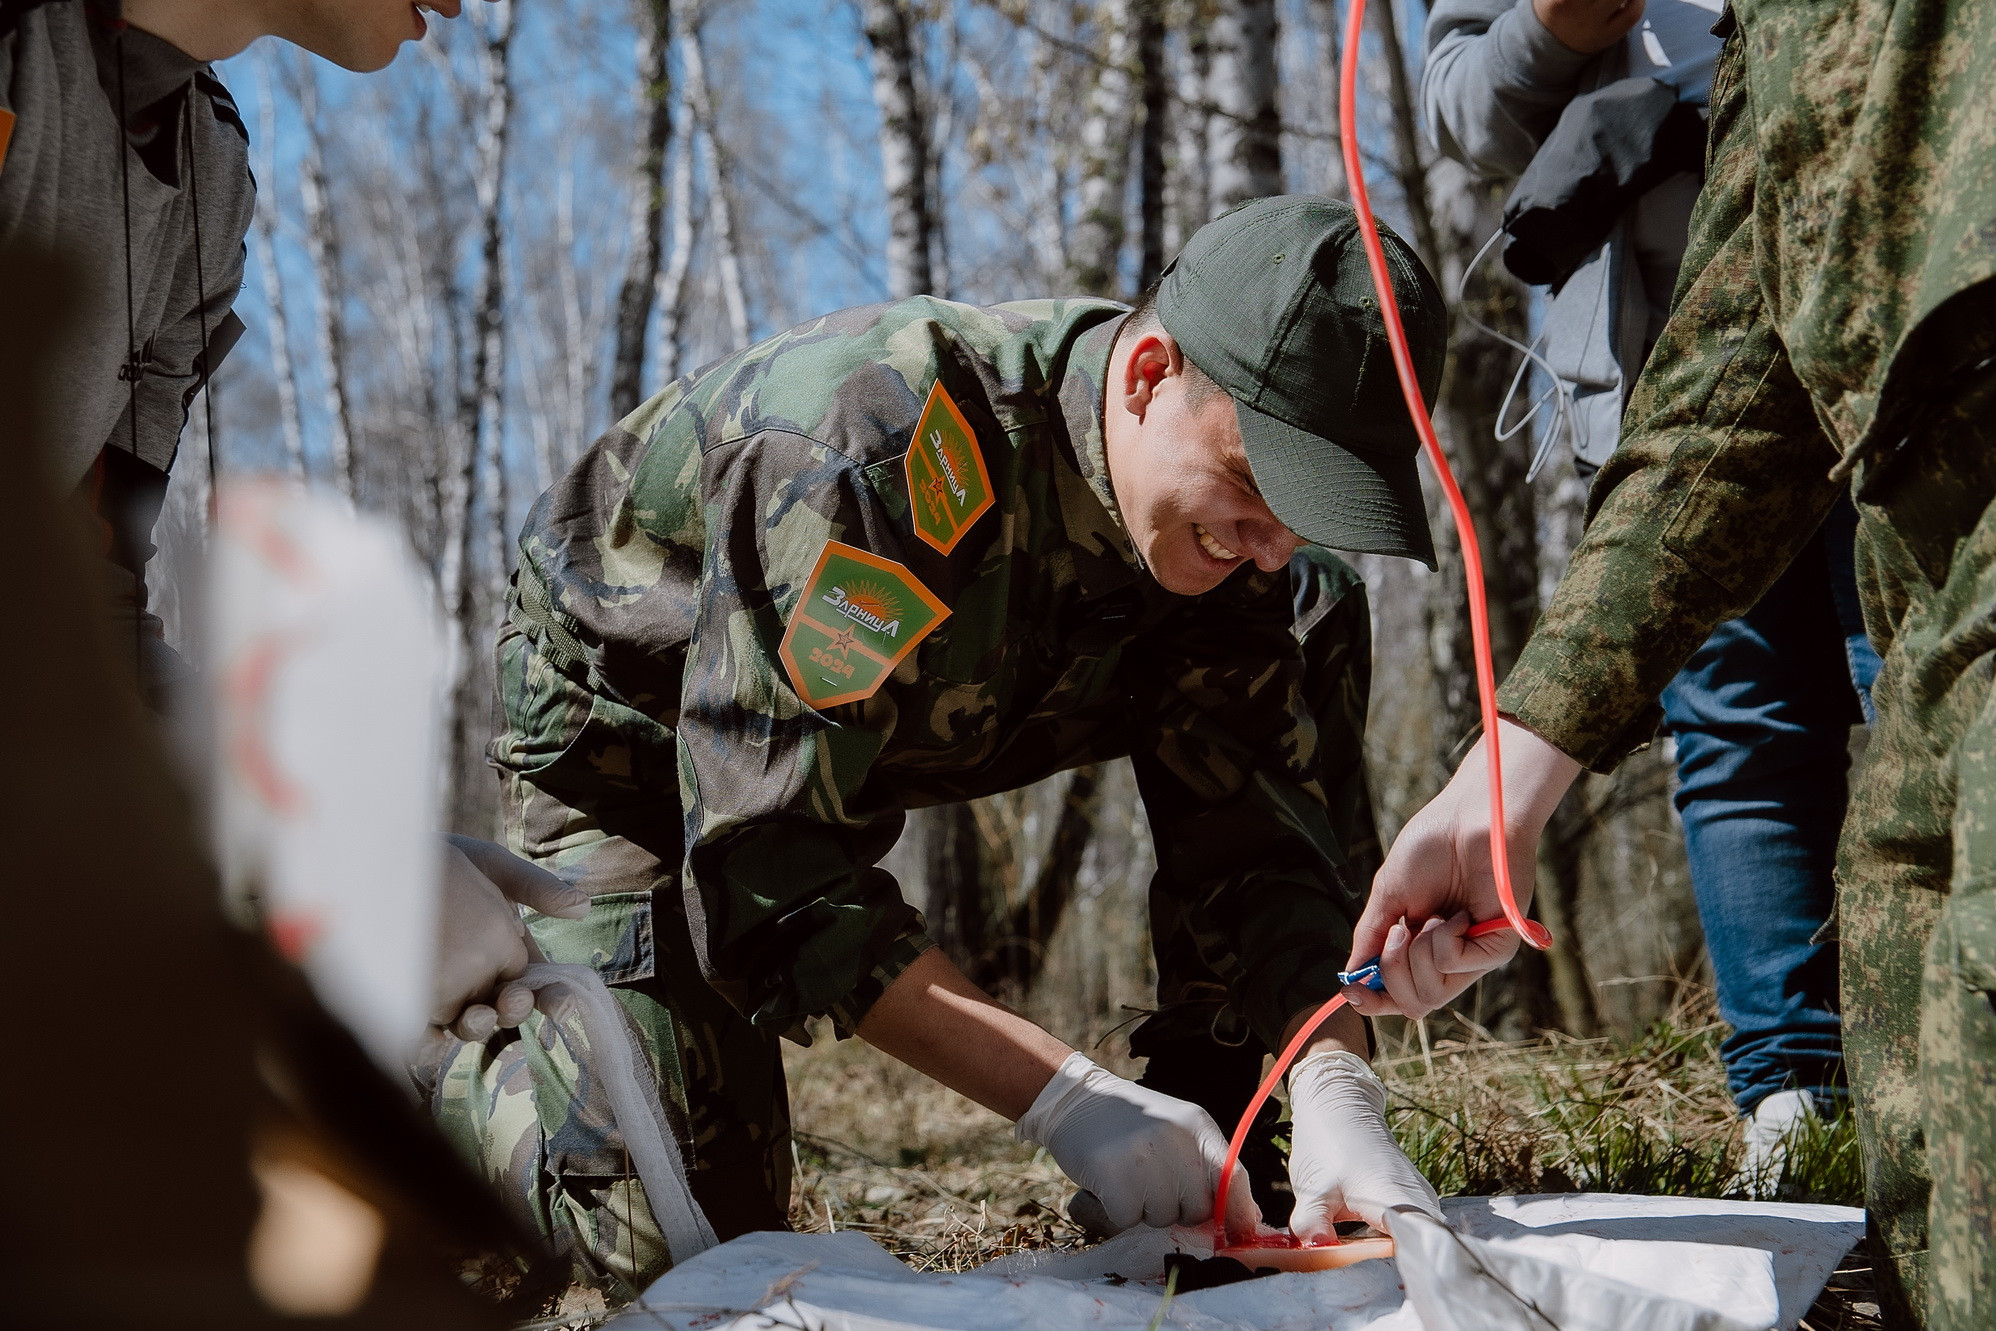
<point x="590" y="791"/>
<point x="1917" y="878"/>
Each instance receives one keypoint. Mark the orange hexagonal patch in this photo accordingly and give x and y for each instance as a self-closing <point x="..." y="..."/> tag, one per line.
<point x="948" y="485"/>
<point x="859" y="616"/>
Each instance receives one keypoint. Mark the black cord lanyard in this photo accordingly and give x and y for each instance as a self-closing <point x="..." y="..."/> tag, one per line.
<point x="136" y="359"/>
<point x="134" y="366"/>
<point x="201" y="306"/>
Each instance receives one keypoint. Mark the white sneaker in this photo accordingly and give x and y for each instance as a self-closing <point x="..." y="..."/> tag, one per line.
<point x="1767" y="1132"/>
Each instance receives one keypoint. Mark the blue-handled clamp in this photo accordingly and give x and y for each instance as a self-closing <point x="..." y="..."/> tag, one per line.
<point x="1367" y="975"/>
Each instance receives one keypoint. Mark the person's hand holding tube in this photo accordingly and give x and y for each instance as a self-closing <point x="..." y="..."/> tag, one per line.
<point x="1437" y="880"/>
<point x="483" y="944"/>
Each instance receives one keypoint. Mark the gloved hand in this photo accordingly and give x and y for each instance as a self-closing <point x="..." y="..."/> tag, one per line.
<point x="1343" y="1161"/>
<point x="481" y="940"/>
<point x="1147" y="1157"/>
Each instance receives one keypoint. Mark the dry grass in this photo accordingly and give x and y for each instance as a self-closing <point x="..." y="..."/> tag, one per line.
<point x="930" y="1176"/>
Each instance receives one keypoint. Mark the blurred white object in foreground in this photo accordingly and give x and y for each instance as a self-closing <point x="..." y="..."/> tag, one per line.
<point x="325" y="668"/>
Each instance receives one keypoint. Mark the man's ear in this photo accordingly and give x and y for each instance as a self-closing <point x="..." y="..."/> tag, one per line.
<point x="1153" y="359"/>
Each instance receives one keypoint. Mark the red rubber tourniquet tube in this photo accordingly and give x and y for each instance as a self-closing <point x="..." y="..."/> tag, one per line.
<point x="1531" y="931"/>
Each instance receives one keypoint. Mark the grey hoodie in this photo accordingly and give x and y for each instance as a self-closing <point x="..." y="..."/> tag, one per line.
<point x="1493" y="87"/>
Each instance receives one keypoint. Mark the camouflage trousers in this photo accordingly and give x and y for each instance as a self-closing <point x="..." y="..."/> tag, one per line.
<point x="591" y="791"/>
<point x="1916" y="873"/>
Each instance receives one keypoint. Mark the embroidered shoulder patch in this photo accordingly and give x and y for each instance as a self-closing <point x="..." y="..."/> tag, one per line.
<point x="6" y="135"/>
<point x="948" y="486"/>
<point x="860" y="615"/>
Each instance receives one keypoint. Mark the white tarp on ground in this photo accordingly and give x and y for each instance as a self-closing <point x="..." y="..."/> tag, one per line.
<point x="1576" y="1262"/>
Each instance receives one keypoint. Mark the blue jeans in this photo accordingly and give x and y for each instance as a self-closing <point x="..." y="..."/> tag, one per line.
<point x="1762" y="715"/>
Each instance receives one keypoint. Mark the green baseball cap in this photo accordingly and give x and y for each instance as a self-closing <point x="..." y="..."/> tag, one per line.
<point x="1274" y="302"/>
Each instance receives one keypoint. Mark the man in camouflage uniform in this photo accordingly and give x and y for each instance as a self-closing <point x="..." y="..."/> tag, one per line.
<point x="1834" y="325"/>
<point x="900" y="556"/>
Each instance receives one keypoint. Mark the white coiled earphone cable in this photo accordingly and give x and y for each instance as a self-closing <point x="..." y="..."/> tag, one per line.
<point x="1560" y="394"/>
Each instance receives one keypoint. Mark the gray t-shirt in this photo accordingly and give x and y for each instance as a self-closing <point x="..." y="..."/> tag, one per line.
<point x="72" y="180"/>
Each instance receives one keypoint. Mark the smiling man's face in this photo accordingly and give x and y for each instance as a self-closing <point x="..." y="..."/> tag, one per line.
<point x="1180" y="473"/>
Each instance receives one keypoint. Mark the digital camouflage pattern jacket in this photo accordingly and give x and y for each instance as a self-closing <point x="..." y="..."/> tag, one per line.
<point x="1836" y="292"/>
<point x="875" y="563"/>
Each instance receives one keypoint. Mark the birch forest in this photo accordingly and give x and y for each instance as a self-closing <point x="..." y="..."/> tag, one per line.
<point x="465" y="268"/>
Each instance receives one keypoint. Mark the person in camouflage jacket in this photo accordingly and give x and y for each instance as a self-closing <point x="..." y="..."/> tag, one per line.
<point x="1834" y="330"/>
<point x="892" y="558"/>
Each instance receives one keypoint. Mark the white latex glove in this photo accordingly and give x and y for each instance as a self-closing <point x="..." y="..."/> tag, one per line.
<point x="1343" y="1161"/>
<point x="1147" y="1157"/>
<point x="482" y="943"/>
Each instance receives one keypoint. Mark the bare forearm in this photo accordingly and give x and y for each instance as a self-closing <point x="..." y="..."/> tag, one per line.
<point x="1343" y="1029"/>
<point x="1537" y="774"/>
<point x="936" y="1021"/>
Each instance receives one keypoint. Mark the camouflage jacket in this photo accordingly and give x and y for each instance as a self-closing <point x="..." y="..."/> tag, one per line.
<point x="1836" y="285"/>
<point x="875" y="563"/>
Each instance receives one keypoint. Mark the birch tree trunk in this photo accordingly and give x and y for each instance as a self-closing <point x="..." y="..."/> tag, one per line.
<point x="1192" y="182"/>
<point x="1009" y="965"/>
<point x="280" y="335"/>
<point x="1105" y="155"/>
<point x="721" y="217"/>
<point x="1409" y="161"/>
<point x="939" y="115"/>
<point x="480" y="416"/>
<point x="1246" y="144"/>
<point x="634" y="298"/>
<point x="488" y="362"/>
<point x="323" y="242"/>
<point x="954" y="901"/>
<point x="1150" y="153"/>
<point x="1491" y="473"/>
<point x="263" y="236"/>
<point x="418" y="302"/>
<point x="1050" y="238"/>
<point x="1329" y="20"/>
<point x="672" y="282"/>
<point x="720" y="203"/>
<point x="545" y="412"/>
<point x="576" y="342"/>
<point x="429" y="332"/>
<point x="904" y="150"/>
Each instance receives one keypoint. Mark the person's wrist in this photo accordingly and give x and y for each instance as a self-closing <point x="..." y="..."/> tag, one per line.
<point x="1343" y="1030"/>
<point x="1537" y="775"/>
<point x="1042" y="1117"/>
